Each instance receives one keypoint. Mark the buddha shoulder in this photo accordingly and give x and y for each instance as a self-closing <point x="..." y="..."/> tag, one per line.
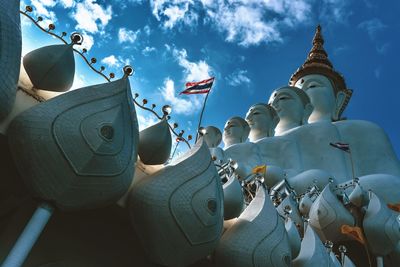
<point x="359" y="126"/>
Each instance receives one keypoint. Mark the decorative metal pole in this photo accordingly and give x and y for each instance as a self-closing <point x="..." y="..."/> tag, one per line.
<point x="201" y="115"/>
<point x="29" y="236"/>
<point x="177" y="144"/>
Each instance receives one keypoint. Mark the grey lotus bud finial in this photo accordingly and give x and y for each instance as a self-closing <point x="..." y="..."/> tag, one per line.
<point x="76" y="38"/>
<point x="128" y="70"/>
<point x="166" y="109"/>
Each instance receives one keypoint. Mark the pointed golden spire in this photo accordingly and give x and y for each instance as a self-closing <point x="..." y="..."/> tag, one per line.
<point x="318" y="53"/>
<point x="317" y="62"/>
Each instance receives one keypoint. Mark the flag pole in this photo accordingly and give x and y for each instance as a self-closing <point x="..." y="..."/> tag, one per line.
<point x="201" y="115"/>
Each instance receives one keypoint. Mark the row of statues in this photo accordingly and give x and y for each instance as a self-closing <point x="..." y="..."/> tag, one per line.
<point x="300" y="142"/>
<point x="295" y="129"/>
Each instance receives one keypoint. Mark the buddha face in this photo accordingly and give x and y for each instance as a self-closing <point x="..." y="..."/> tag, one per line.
<point x="322" y="96"/>
<point x="261" y="122"/>
<point x="234" y="132"/>
<point x="212" y="136"/>
<point x="288" y="105"/>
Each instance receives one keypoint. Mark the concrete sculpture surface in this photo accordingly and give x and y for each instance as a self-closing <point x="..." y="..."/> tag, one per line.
<point x="178" y="211"/>
<point x="86" y="138"/>
<point x="262" y="233"/>
<point x="51" y="67"/>
<point x="155" y="144"/>
<point x="305" y="176"/>
<point x="10" y="54"/>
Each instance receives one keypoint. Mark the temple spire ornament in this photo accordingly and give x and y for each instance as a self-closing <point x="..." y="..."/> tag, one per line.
<point x="317" y="62"/>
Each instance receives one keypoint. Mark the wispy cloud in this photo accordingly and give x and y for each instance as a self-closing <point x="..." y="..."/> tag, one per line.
<point x="110" y="61"/>
<point x="173" y="13"/>
<point x="180" y="105"/>
<point x="113" y="61"/>
<point x="248" y="22"/>
<point x="145" y="119"/>
<point x="67" y="3"/>
<point x="239" y="77"/>
<point x="334" y="11"/>
<point x="147" y="50"/>
<point x="377" y="72"/>
<point x="88" y="41"/>
<point x="372" y="27"/>
<point x="127" y="36"/>
<point x="42" y="8"/>
<point x="194" y="71"/>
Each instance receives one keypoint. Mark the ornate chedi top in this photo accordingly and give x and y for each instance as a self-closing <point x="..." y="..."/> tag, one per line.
<point x="317" y="62"/>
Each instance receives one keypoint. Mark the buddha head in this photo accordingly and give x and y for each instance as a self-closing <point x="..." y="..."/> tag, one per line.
<point x="236" y="130"/>
<point x="292" y="106"/>
<point x="325" y="87"/>
<point x="262" y="119"/>
<point x="212" y="136"/>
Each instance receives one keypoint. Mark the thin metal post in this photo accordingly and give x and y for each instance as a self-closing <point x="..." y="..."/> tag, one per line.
<point x="201" y="115"/>
<point x="379" y="262"/>
<point x="29" y="236"/>
<point x="173" y="153"/>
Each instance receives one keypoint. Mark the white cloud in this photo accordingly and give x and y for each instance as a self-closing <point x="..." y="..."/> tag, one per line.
<point x="179" y="105"/>
<point x="91" y="16"/>
<point x="111" y="61"/>
<point x="147" y="50"/>
<point x="145" y="120"/>
<point x="88" y="41"/>
<point x="67" y="3"/>
<point x="249" y="22"/>
<point x="372" y="27"/>
<point x="194" y="71"/>
<point x="128" y="36"/>
<point x="336" y="11"/>
<point x="245" y="25"/>
<point x="239" y="77"/>
<point x="147" y="30"/>
<point x="175" y="12"/>
<point x="41" y="8"/>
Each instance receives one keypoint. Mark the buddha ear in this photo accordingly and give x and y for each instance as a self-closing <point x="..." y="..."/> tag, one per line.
<point x="340" y="98"/>
<point x="308" y="109"/>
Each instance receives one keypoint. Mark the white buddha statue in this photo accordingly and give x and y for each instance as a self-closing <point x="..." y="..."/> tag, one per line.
<point x="212" y="136"/>
<point x="292" y="113"/>
<point x="236" y="130"/>
<point x="372" y="155"/>
<point x="246" y="154"/>
<point x="262" y="119"/>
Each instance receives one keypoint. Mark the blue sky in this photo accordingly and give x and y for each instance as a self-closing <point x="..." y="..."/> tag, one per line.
<point x="250" y="46"/>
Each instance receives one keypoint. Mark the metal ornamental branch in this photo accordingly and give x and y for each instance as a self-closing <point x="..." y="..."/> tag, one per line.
<point x="76" y="38"/>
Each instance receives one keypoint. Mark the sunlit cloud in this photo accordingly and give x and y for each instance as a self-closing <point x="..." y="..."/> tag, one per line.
<point x="194" y="71"/>
<point x="180" y="105"/>
<point x="127" y="36"/>
<point x="91" y="17"/>
<point x="238" y="78"/>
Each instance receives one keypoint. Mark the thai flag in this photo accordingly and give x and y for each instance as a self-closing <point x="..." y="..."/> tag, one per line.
<point x="341" y="146"/>
<point x="201" y="87"/>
